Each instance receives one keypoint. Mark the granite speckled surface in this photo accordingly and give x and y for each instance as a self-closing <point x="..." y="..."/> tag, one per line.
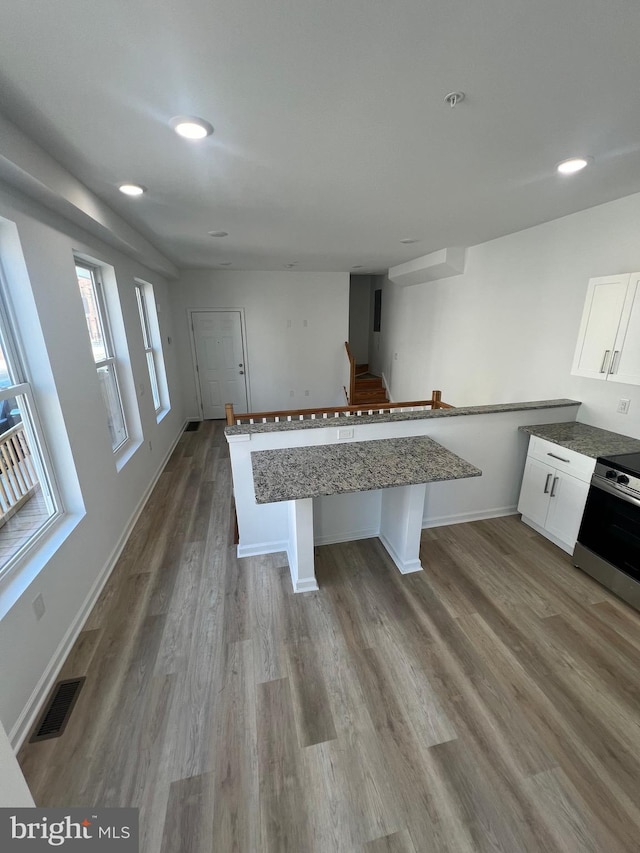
<point x="582" y="438"/>
<point x="400" y="416"/>
<point x="329" y="469"/>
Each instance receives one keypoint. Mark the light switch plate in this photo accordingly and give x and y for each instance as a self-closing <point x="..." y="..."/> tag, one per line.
<point x="623" y="406"/>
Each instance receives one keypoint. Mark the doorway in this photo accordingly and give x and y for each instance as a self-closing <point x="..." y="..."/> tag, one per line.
<point x="220" y="362"/>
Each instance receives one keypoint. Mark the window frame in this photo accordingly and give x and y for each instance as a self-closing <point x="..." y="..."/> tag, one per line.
<point x="41" y="459"/>
<point x="153" y="345"/>
<point x="111" y="360"/>
<point x="149" y="349"/>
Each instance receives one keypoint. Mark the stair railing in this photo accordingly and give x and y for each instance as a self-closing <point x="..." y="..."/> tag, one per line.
<point x="323" y="413"/>
<point x="352" y="373"/>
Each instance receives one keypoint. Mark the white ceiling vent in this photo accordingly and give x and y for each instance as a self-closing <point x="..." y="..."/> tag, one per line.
<point x="440" y="264"/>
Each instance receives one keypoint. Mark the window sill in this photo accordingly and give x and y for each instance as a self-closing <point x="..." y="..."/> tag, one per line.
<point x="162" y="414"/>
<point x="40" y="551"/>
<point x="124" y="453"/>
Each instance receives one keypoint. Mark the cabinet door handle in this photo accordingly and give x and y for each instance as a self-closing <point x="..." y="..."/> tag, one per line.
<point x="546" y="485"/>
<point x="553" y="488"/>
<point x="604" y="360"/>
<point x="615" y="362"/>
<point x="568" y="461"/>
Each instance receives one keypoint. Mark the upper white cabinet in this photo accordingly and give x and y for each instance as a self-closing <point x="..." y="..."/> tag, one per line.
<point x="608" y="345"/>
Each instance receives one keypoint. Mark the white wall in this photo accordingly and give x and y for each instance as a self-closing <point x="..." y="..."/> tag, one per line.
<point x="283" y="355"/>
<point x="359" y="299"/>
<point x="37" y="248"/>
<point x="506" y="329"/>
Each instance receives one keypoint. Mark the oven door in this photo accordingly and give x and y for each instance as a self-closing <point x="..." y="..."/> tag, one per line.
<point x="611" y="527"/>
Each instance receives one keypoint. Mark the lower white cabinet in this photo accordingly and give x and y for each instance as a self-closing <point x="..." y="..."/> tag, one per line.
<point x="554" y="491"/>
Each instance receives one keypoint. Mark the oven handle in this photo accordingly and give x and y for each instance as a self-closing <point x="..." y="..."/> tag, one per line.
<point x="611" y="490"/>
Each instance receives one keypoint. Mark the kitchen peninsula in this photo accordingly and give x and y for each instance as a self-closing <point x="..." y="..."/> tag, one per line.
<point x="400" y="466"/>
<point x="297" y="484"/>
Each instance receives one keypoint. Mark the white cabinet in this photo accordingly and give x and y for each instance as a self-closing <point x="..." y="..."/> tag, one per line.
<point x="608" y="345"/>
<point x="554" y="491"/>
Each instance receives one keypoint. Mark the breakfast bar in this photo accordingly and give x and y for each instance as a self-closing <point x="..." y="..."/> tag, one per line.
<point x="400" y="466"/>
<point x="311" y="482"/>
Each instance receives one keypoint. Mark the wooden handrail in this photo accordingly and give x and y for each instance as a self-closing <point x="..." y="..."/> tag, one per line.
<point x="352" y="372"/>
<point x="325" y="412"/>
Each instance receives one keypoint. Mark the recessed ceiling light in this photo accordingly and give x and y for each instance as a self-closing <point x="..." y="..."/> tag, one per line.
<point x="409" y="240"/>
<point x="132" y="189"/>
<point x="218" y="233"/>
<point x="191" y="127"/>
<point x="572" y="165"/>
<point x="225" y="263"/>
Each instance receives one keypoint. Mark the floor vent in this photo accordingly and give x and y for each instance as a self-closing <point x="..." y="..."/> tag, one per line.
<point x="192" y="426"/>
<point x="56" y="715"/>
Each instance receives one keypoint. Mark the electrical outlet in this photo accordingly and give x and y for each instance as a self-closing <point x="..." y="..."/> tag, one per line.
<point x="38" y="606"/>
<point x="150" y="446"/>
<point x="345" y="432"/>
<point x="623" y="406"/>
<point x="395" y="356"/>
<point x="292" y="394"/>
<point x="306" y="393"/>
<point x="304" y="323"/>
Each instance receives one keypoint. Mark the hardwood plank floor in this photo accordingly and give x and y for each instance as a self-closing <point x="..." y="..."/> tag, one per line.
<point x="489" y="703"/>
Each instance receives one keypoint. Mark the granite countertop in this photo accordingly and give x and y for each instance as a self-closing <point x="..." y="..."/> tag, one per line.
<point x="329" y="469"/>
<point x="399" y="416"/>
<point x="582" y="438"/>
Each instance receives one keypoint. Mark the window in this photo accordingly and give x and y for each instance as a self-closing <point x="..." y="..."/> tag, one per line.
<point x="95" y="311"/>
<point x="152" y="346"/>
<point x="27" y="499"/>
<point x="148" y="346"/>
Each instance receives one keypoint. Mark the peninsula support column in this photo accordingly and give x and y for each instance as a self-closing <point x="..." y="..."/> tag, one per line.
<point x="300" y="546"/>
<point x="401" y="525"/>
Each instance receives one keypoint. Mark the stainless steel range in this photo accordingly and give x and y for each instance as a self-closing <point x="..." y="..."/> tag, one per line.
<point x="608" y="546"/>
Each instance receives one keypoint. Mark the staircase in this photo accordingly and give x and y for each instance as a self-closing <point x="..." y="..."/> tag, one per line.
<point x="368" y="388"/>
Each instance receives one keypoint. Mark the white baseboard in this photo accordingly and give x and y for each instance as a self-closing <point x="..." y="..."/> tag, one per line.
<point x="462" y="517"/>
<point x="259" y="548"/>
<point x="306" y="586"/>
<point x="567" y="548"/>
<point x="27" y="718"/>
<point x="334" y="539"/>
<point x="406" y="567"/>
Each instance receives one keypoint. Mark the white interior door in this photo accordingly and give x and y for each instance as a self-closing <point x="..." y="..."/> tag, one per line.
<point x="220" y="361"/>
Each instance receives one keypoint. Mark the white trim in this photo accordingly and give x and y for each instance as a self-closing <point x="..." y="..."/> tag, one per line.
<point x="27" y="717"/>
<point x="329" y="539"/>
<point x="463" y="517"/>
<point x="305" y="586"/>
<point x="259" y="548"/>
<point x="406" y="567"/>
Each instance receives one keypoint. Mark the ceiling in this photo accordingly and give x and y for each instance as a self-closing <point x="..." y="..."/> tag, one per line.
<point x="332" y="139"/>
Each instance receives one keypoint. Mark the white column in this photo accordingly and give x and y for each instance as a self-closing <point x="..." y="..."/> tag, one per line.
<point x="14" y="792"/>
<point x="401" y="525"/>
<point x="300" y="546"/>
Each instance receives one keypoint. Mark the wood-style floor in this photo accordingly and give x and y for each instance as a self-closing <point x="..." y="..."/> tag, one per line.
<point x="489" y="703"/>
